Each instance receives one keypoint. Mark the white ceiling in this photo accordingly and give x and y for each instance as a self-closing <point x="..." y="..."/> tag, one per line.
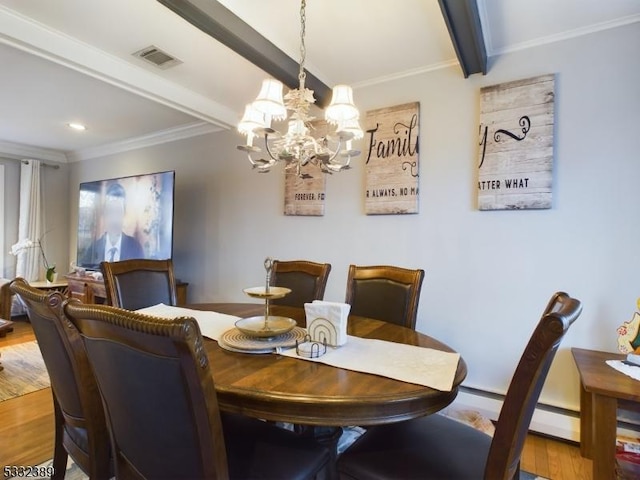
<point x="70" y="60"/>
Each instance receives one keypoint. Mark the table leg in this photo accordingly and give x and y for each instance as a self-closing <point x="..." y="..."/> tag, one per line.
<point x="604" y="436"/>
<point x="586" y="423"/>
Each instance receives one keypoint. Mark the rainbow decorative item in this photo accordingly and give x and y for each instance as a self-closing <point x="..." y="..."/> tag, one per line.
<point x="629" y="334"/>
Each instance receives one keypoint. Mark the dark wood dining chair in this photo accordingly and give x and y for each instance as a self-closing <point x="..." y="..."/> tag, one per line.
<point x="386" y="293"/>
<point x="307" y="281"/>
<point x="161" y="405"/>
<point x="139" y="283"/>
<point x="439" y="447"/>
<point x="80" y="426"/>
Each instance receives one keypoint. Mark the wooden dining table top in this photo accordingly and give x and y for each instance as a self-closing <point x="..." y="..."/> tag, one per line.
<point x="279" y="388"/>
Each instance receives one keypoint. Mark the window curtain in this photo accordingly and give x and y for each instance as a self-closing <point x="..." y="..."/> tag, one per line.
<point x="3" y="273"/>
<point x="30" y="220"/>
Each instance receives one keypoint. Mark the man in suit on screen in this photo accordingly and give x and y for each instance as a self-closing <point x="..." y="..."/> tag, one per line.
<point x="114" y="245"/>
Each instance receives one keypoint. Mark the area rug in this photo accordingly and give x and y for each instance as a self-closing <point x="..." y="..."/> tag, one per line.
<point x="24" y="371"/>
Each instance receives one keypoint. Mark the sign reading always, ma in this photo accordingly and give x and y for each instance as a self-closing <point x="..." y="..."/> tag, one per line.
<point x="516" y="144"/>
<point x="391" y="161"/>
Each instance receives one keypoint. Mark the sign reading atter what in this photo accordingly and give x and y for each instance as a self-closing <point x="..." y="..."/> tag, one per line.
<point x="391" y="159"/>
<point x="516" y="145"/>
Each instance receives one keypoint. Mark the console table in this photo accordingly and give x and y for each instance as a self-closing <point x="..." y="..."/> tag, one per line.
<point x="90" y="290"/>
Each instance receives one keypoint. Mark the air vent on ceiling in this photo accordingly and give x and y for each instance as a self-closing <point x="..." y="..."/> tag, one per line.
<point x="157" y="57"/>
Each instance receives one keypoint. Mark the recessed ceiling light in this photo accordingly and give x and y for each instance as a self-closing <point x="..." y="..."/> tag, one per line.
<point x="76" y="126"/>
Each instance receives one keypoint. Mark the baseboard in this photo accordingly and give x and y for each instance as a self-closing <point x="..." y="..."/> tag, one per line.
<point x="548" y="420"/>
<point x="552" y="421"/>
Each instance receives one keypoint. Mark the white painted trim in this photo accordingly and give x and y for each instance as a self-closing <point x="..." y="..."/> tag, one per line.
<point x="559" y="37"/>
<point x="484" y="20"/>
<point x="557" y="422"/>
<point x="407" y="73"/>
<point x="155" y="138"/>
<point x="38" y="39"/>
<point x="20" y="151"/>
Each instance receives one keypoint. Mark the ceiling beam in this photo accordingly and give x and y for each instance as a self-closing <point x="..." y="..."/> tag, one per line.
<point x="463" y="21"/>
<point x="217" y="21"/>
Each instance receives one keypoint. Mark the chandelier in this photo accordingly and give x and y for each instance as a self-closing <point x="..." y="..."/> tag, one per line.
<point x="330" y="152"/>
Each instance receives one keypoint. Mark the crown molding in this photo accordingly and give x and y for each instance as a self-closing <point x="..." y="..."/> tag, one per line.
<point x="155" y="138"/>
<point x="38" y="39"/>
<point x="406" y="73"/>
<point x="20" y="151"/>
<point x="569" y="34"/>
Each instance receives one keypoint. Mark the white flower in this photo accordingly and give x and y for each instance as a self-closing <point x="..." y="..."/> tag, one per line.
<point x="21" y="246"/>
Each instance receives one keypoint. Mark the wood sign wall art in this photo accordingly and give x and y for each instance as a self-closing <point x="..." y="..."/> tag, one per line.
<point x="392" y="159"/>
<point x="516" y="144"/>
<point x="305" y="195"/>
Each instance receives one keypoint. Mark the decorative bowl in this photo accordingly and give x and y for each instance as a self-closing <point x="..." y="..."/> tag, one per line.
<point x="256" y="327"/>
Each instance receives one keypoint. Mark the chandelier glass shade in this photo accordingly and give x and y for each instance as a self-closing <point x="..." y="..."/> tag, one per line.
<point x="330" y="151"/>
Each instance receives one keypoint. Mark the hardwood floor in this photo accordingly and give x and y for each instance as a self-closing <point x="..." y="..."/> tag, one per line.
<point x="26" y="433"/>
<point x="26" y="422"/>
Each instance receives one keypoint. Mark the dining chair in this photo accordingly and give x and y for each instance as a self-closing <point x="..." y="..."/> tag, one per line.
<point x="440" y="447"/>
<point x="386" y="293"/>
<point x="139" y="283"/>
<point x="161" y="405"/>
<point x="80" y="426"/>
<point x="307" y="281"/>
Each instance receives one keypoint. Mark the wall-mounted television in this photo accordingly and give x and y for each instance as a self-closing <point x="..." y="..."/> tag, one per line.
<point x="125" y="218"/>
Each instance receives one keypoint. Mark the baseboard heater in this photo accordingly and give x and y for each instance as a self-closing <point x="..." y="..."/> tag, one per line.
<point x="548" y="420"/>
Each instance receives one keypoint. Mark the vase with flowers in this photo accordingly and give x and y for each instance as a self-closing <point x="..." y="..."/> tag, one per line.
<point x="26" y="244"/>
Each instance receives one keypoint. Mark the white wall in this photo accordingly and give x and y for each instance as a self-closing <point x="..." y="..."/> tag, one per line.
<point x="488" y="274"/>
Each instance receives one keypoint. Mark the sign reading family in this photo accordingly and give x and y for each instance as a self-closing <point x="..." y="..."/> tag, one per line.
<point x="516" y="145"/>
<point x="391" y="159"/>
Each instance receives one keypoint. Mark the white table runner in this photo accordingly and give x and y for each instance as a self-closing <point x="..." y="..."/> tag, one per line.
<point x="212" y="324"/>
<point x="408" y="363"/>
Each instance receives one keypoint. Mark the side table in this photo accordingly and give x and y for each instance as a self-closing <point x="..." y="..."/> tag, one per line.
<point x="6" y="326"/>
<point x="601" y="389"/>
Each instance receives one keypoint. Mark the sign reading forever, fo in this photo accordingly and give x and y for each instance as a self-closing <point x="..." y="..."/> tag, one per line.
<point x="304" y="194"/>
<point x="516" y="145"/>
<point x="392" y="161"/>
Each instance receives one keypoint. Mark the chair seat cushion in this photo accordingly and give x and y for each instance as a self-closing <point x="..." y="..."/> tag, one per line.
<point x="256" y="449"/>
<point x="433" y="447"/>
<point x="79" y="436"/>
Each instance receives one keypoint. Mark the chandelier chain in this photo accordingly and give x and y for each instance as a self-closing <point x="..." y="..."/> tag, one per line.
<point x="303" y="49"/>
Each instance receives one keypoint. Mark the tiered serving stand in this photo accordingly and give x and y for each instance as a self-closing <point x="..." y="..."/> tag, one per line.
<point x="263" y="333"/>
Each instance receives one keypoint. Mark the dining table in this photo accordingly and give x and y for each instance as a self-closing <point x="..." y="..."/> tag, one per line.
<point x="284" y="389"/>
